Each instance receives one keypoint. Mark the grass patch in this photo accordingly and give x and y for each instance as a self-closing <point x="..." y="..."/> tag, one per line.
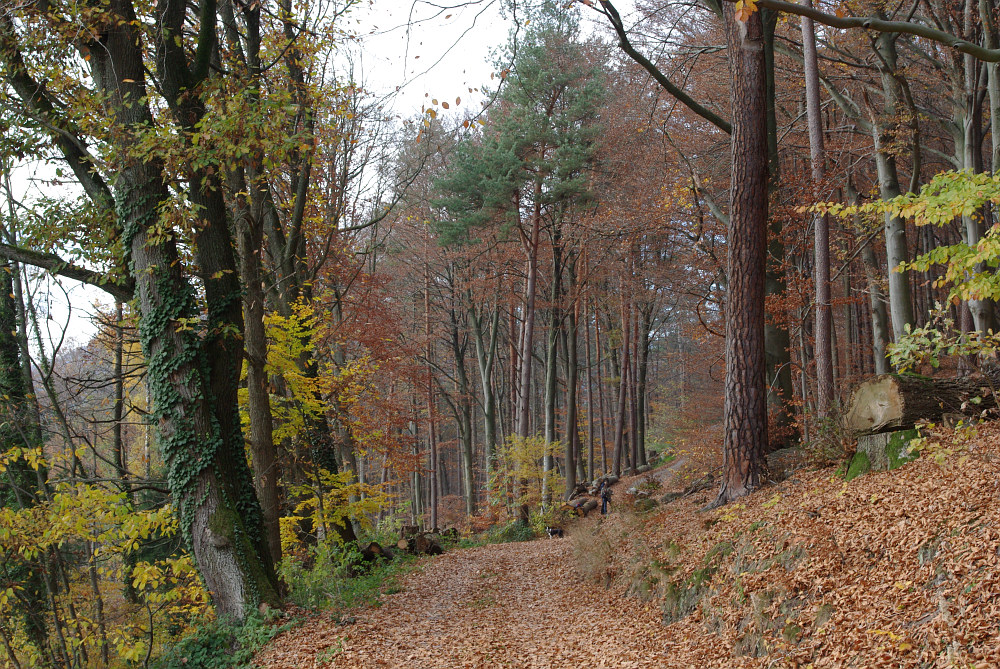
<point x="510" y="533"/>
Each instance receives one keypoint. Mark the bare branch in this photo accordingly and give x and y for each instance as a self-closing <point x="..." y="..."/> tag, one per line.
<point x="56" y="265"/>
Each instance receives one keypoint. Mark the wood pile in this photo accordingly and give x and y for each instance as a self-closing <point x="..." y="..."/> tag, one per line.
<point x="415" y="542"/>
<point x="374" y="551"/>
<point x="595" y="486"/>
<point x="580" y="506"/>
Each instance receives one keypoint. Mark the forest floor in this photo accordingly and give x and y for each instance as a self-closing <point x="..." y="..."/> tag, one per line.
<point x="503" y="605"/>
<point x="892" y="569"/>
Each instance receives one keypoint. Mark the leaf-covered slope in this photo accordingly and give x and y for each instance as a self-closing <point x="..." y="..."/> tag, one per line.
<point x="892" y="569"/>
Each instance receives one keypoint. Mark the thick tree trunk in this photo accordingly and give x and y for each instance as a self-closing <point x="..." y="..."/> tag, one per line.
<point x="19" y="484"/>
<point x="745" y="414"/>
<point x="193" y="382"/>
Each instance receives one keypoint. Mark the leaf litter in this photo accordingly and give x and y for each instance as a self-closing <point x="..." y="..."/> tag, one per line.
<point x="894" y="569"/>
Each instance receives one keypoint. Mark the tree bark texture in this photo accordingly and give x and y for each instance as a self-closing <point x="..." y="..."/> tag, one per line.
<point x="745" y="412"/>
<point x="821" y="224"/>
<point x="900" y="301"/>
<point x="523" y="429"/>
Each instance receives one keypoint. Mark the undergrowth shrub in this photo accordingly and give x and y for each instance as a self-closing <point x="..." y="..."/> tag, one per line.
<point x="592" y="554"/>
<point x="830" y="442"/>
<point x="331" y="579"/>
<point x="221" y="644"/>
<point x="509" y="533"/>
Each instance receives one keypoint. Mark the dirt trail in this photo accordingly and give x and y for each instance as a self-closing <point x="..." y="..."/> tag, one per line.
<point x="508" y="605"/>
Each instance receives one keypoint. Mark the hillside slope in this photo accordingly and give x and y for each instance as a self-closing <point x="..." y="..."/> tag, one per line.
<point x="895" y="569"/>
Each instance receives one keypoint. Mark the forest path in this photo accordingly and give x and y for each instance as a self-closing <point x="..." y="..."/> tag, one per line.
<point x="502" y="605"/>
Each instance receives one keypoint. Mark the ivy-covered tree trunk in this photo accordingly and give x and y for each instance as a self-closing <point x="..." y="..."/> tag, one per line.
<point x="192" y="380"/>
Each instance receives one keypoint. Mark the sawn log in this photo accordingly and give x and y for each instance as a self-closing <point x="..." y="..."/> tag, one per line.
<point x="897" y="401"/>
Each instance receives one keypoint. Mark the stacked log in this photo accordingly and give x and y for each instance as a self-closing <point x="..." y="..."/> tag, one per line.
<point x="595" y="486"/>
<point x="374" y="551"/>
<point x="884" y="411"/>
<point x="580" y="506"/>
<point x="425" y="543"/>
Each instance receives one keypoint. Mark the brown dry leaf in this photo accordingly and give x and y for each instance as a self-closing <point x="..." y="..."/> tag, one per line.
<point x="806" y="572"/>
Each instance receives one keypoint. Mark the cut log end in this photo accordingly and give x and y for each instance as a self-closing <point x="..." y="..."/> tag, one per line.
<point x="897" y="402"/>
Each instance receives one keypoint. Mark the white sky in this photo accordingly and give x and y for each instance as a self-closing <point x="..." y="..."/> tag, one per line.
<point x="413" y="51"/>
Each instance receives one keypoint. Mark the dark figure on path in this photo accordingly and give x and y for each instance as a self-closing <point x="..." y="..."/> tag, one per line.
<point x="605" y="497"/>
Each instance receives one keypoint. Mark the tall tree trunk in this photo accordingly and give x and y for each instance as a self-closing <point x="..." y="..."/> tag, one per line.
<point x="463" y="413"/>
<point x="642" y="372"/>
<point x="590" y="390"/>
<point x="633" y="417"/>
<point x="745" y="414"/>
<point x="551" y="368"/>
<point x="876" y="298"/>
<point x="777" y="341"/>
<point x="19" y="484"/>
<point x="193" y="381"/>
<point x="572" y="432"/>
<point x="989" y="28"/>
<point x="971" y="139"/>
<point x="620" y="443"/>
<point x="527" y="338"/>
<point x="486" y="356"/>
<point x="434" y="464"/>
<point x="900" y="301"/>
<point x="821" y="223"/>
<point x="600" y="393"/>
